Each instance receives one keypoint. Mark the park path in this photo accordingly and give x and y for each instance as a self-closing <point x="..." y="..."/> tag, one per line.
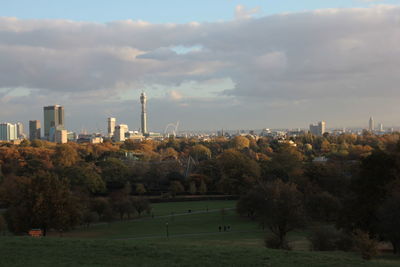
<point x="186" y="235"/>
<point x="182" y="214"/>
<point x="161" y="216"/>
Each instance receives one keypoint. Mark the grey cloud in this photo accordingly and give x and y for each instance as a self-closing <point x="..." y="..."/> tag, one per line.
<point x="324" y="55"/>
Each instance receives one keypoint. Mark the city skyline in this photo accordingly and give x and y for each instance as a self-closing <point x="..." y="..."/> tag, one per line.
<point x="54" y="119"/>
<point x="253" y="69"/>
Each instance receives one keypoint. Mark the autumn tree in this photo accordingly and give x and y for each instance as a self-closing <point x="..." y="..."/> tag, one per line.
<point x="192" y="187"/>
<point x="121" y="202"/>
<point x="389" y="219"/>
<point x="114" y="173"/>
<point x="369" y="188"/>
<point x="285" y="164"/>
<point x="140" y="189"/>
<point x="169" y="154"/>
<point x="240" y="142"/>
<point x="176" y="187"/>
<point x="140" y="204"/>
<point x="277" y="205"/>
<point x="200" y="152"/>
<point x="238" y="171"/>
<point x="99" y="205"/>
<point x="65" y="155"/>
<point x="85" y="176"/>
<point x="203" y="187"/>
<point x="43" y="201"/>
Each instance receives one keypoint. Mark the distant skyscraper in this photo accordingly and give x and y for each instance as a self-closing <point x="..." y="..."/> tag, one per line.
<point x="53" y="120"/>
<point x="111" y="127"/>
<point x="34" y="130"/>
<point x="318" y="129"/>
<point x="322" y="127"/>
<point x="371" y="125"/>
<point x="143" y="100"/>
<point x="20" y="130"/>
<point x="8" y="132"/>
<point x="381" y="127"/>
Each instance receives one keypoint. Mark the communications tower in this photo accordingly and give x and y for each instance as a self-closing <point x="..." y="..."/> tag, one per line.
<point x="143" y="100"/>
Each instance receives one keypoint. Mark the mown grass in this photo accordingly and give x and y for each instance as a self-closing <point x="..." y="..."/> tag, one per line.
<point x="26" y="251"/>
<point x="180" y="222"/>
<point x="160" y="209"/>
<point x="194" y="240"/>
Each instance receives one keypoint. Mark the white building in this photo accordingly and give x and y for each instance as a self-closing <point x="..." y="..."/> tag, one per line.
<point x="61" y="136"/>
<point x="371" y="126"/>
<point x="111" y="126"/>
<point x="20" y="130"/>
<point x="381" y="128"/>
<point x="318" y="129"/>
<point x="119" y="133"/>
<point x="8" y="132"/>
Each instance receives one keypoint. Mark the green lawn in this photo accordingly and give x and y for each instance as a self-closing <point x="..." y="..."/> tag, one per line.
<point x="77" y="252"/>
<point x="199" y="224"/>
<point x="159" y="209"/>
<point x="194" y="240"/>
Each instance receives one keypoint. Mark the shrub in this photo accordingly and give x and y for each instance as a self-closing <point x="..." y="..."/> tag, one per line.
<point x="89" y="217"/>
<point x="3" y="225"/>
<point x="275" y="243"/>
<point x="366" y="245"/>
<point x="345" y="242"/>
<point x="323" y="239"/>
<point x="327" y="238"/>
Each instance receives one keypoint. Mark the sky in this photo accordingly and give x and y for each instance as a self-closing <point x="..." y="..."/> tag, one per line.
<point x="210" y="65"/>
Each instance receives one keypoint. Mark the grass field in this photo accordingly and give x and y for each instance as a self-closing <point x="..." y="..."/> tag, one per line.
<point x="194" y="240"/>
<point x="86" y="252"/>
<point x="202" y="222"/>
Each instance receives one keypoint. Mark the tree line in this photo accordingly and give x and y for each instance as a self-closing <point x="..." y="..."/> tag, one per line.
<point x="281" y="183"/>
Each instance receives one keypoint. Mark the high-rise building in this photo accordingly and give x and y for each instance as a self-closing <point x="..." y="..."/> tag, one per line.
<point x="381" y="127"/>
<point x="61" y="136"/>
<point x="143" y="101"/>
<point x="34" y="130"/>
<point x="318" y="129"/>
<point x="53" y="120"/>
<point x="111" y="126"/>
<point x="20" y="130"/>
<point x="8" y="132"/>
<point x="119" y="133"/>
<point x="371" y="126"/>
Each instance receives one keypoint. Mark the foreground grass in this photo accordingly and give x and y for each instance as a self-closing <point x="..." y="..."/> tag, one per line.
<point x="194" y="240"/>
<point x="17" y="251"/>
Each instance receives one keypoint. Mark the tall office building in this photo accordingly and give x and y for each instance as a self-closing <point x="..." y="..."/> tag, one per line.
<point x="53" y="120"/>
<point x="8" y="132"/>
<point x="318" y="129"/>
<point x="20" y="130"/>
<point x="143" y="101"/>
<point x="111" y="127"/>
<point x="34" y="130"/>
<point x="371" y="125"/>
<point x="381" y="128"/>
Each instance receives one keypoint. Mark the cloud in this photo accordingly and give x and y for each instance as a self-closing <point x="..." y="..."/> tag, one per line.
<point x="283" y="63"/>
<point x="370" y="1"/>
<point x="241" y="12"/>
<point x="174" y="95"/>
